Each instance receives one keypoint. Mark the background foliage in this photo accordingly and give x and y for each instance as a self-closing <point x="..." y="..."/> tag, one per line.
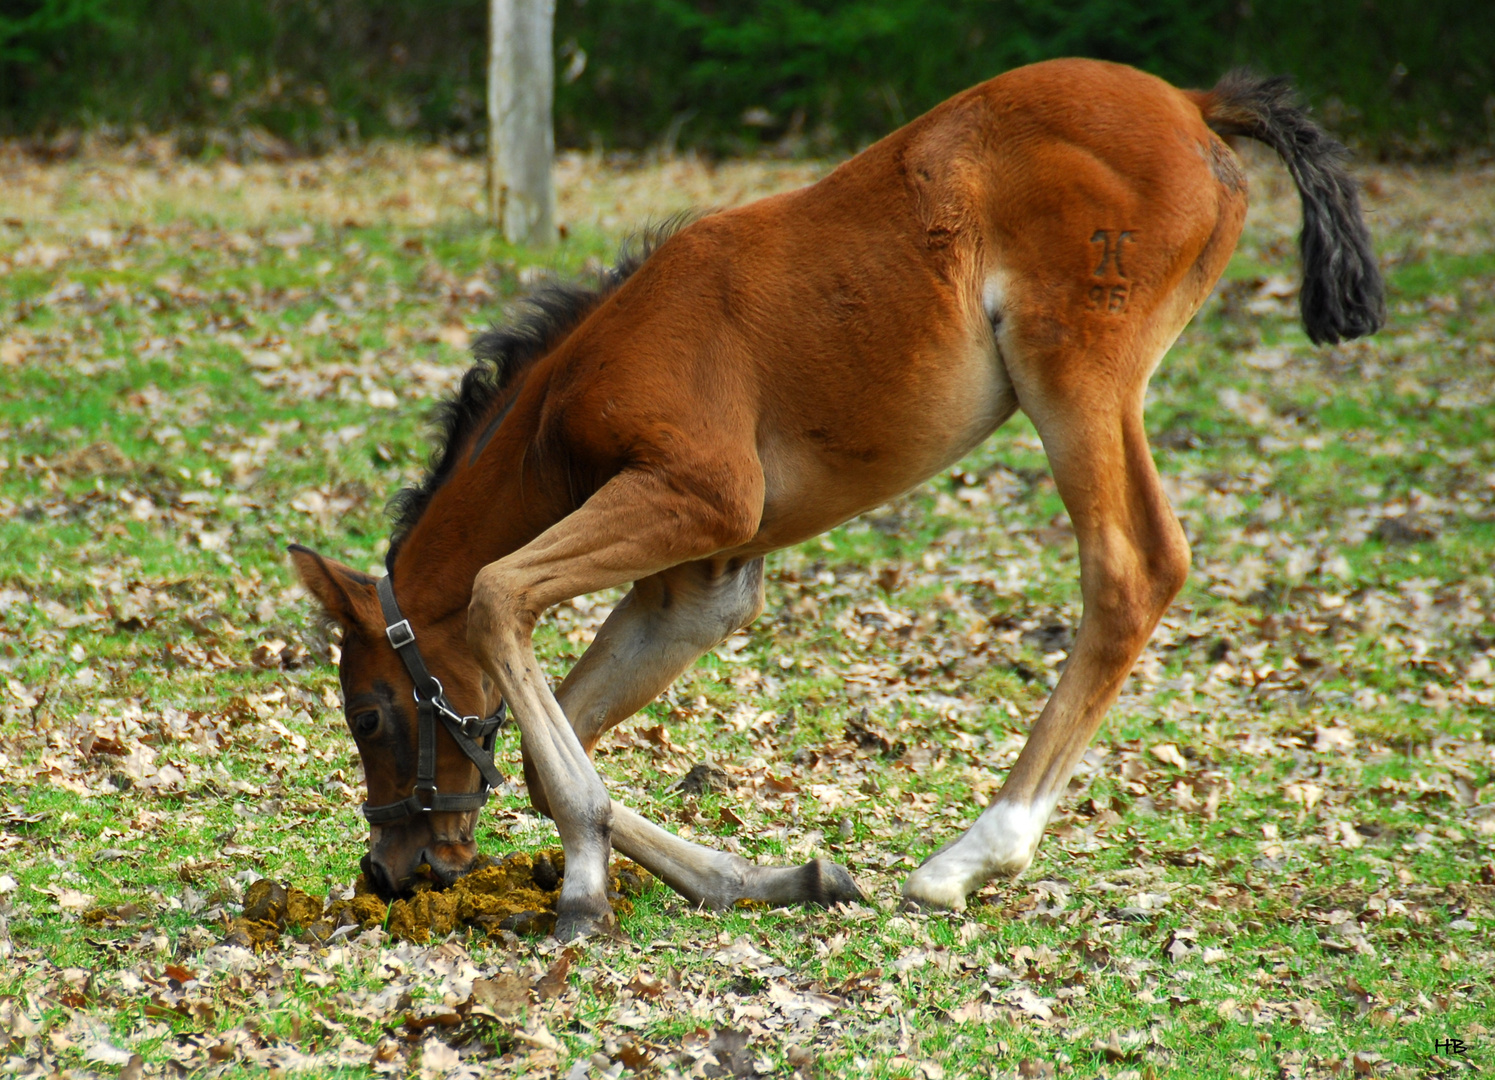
<point x="1403" y="77"/>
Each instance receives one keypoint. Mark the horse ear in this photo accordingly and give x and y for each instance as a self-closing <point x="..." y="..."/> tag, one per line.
<point x="347" y="595"/>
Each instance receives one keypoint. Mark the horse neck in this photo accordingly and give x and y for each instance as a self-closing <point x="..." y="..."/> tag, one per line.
<point x="486" y="509"/>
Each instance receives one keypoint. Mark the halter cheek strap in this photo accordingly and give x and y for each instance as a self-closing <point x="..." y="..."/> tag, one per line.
<point x="473" y="735"/>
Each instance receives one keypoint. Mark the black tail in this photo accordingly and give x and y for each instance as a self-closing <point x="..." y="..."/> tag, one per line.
<point x="1342" y="295"/>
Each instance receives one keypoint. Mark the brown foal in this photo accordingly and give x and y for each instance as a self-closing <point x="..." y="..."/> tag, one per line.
<point x="768" y="372"/>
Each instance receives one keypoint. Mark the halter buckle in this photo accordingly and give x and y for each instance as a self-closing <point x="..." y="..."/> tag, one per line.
<point x="431" y="705"/>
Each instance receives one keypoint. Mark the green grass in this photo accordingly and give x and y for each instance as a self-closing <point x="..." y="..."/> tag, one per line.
<point x="1312" y="883"/>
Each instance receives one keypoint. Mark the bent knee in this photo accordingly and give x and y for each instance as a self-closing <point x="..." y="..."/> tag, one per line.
<point x="720" y="502"/>
<point x="705" y="602"/>
<point x="741" y="597"/>
<point x="499" y="605"/>
<point x="752" y="592"/>
<point x="727" y="522"/>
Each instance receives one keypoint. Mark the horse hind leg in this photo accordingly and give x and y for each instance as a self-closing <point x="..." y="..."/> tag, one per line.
<point x="664" y="624"/>
<point x="1133" y="560"/>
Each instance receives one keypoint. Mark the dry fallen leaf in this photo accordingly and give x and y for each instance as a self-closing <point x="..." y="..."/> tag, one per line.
<point x="1169" y="754"/>
<point x="502" y="996"/>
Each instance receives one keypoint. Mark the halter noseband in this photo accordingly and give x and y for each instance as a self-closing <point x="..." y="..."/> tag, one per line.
<point x="473" y="735"/>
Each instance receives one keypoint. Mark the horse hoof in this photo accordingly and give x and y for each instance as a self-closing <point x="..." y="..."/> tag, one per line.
<point x="910" y="906"/>
<point x="570" y="925"/>
<point x="830" y="883"/>
<point x="925" y="890"/>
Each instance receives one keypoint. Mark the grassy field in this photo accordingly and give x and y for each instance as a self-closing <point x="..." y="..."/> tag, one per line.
<point x="1276" y="861"/>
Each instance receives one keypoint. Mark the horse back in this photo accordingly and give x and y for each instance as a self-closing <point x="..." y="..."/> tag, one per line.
<point x="862" y="333"/>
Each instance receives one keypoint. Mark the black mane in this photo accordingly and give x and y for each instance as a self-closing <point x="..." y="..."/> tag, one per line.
<point x="504" y="355"/>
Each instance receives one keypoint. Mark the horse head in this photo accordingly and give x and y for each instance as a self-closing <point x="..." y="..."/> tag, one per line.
<point x="410" y="822"/>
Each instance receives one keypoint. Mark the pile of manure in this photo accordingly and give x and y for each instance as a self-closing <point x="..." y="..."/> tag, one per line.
<point x="517" y="893"/>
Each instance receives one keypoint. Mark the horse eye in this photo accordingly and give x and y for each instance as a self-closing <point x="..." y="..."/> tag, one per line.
<point x="365" y="723"/>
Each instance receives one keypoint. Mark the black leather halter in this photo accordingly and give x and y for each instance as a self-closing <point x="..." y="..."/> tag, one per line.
<point x="474" y="735"/>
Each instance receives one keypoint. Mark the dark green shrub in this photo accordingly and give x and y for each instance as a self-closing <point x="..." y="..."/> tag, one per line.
<point x="738" y="71"/>
<point x="1399" y="76"/>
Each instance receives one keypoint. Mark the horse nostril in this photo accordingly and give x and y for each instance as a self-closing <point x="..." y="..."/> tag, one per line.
<point x="379" y="877"/>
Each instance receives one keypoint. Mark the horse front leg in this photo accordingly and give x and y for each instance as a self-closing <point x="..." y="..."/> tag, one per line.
<point x="635" y="526"/>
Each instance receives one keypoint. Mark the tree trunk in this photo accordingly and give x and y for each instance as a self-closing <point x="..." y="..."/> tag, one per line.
<point x="521" y="143"/>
